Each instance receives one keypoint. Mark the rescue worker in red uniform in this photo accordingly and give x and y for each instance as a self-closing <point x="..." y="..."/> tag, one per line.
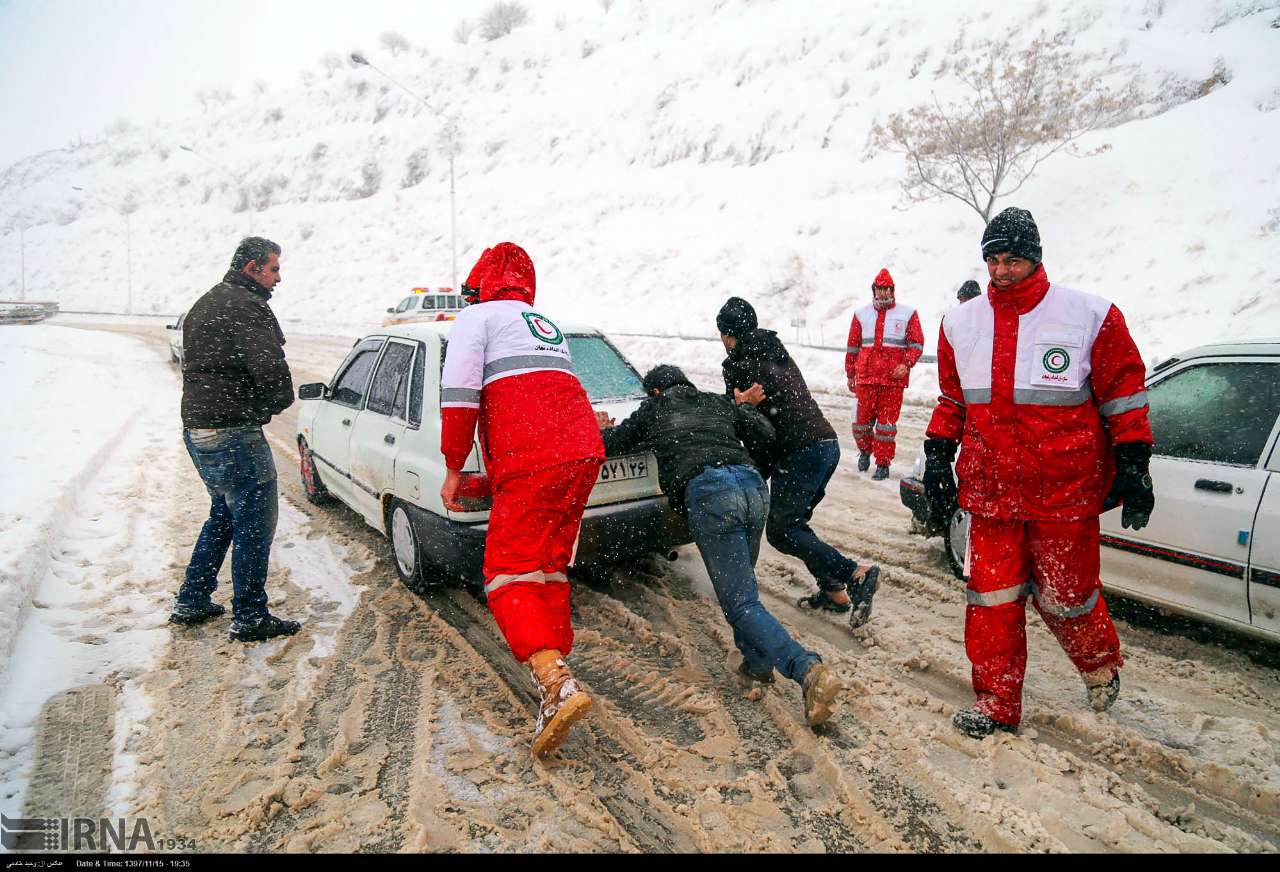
<point x="1042" y="389"/>
<point x="507" y="367"/>
<point x="885" y="341"/>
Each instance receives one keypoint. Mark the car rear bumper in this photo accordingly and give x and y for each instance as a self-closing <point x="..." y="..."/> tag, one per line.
<point x="610" y="533"/>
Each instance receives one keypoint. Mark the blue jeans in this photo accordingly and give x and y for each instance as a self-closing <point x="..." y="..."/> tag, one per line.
<point x="237" y="469"/>
<point x="799" y="483"/>
<point x="727" y="508"/>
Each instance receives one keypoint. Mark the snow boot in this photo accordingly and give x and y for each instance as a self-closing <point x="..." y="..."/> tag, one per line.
<point x="748" y="678"/>
<point x="820" y="602"/>
<point x="861" y="593"/>
<point x="563" y="702"/>
<point x="189" y="616"/>
<point x="1102" y="693"/>
<point x="821" y="687"/>
<point x="977" y="725"/>
<point x="864" y="461"/>
<point x="261" y="629"/>
<point x="881" y="473"/>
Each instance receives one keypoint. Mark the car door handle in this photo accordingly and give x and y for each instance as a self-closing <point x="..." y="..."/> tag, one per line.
<point x="1218" y="487"/>
<point x="346" y="422"/>
<point x="389" y="439"/>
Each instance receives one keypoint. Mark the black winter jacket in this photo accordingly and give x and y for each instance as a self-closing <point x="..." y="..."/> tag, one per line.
<point x="233" y="372"/>
<point x="688" y="430"/>
<point x="760" y="358"/>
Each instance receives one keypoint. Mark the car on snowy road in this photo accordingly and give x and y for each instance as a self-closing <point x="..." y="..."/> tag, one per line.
<point x="1212" y="547"/>
<point x="371" y="438"/>
<point x="175" y="340"/>
<point x="426" y="304"/>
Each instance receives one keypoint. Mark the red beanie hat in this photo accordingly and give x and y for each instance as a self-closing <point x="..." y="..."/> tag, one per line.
<point x="883" y="280"/>
<point x="504" y="272"/>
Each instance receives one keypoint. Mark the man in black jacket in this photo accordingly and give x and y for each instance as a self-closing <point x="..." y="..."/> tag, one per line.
<point x="759" y="371"/>
<point x="709" y="477"/>
<point x="234" y="379"/>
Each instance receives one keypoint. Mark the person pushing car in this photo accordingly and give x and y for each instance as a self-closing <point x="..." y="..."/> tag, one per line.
<point x="507" y="370"/>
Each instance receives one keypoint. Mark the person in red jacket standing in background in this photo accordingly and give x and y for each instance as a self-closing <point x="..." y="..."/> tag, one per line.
<point x="508" y="367"/>
<point x="885" y="341"/>
<point x="1043" y="390"/>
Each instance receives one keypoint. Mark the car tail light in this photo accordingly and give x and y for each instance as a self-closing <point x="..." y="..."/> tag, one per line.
<point x="475" y="492"/>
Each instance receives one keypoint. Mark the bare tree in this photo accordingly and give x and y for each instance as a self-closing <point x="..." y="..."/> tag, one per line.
<point x="1021" y="108"/>
<point x="332" y="62"/>
<point x="501" y="18"/>
<point x="462" y="33"/>
<point x="394" y="42"/>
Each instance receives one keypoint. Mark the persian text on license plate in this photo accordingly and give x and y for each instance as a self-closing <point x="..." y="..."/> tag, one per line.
<point x="624" y="468"/>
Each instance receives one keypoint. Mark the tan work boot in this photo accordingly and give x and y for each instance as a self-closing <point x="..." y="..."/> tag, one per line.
<point x="1102" y="687"/>
<point x="821" y="687"/>
<point x="563" y="702"/>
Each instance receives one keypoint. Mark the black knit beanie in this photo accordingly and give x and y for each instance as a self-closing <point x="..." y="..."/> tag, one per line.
<point x="736" y="318"/>
<point x="664" y="376"/>
<point x="1014" y="231"/>
<point x="968" y="291"/>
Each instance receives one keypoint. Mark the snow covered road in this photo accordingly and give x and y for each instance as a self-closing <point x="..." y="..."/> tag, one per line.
<point x="396" y="722"/>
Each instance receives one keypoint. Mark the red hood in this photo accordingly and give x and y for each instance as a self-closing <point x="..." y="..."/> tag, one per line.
<point x="504" y="272"/>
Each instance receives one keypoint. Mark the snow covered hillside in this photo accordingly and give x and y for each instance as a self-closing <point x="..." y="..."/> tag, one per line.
<point x="664" y="156"/>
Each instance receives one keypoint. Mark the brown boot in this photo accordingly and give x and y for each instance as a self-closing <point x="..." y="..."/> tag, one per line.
<point x="1102" y="687"/>
<point x="563" y="702"/>
<point x="821" y="687"/>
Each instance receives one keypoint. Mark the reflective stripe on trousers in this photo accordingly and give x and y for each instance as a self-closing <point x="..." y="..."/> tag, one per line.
<point x="1013" y="594"/>
<point x="538" y="576"/>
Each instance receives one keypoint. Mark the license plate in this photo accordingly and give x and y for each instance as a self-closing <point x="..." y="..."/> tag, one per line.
<point x="624" y="468"/>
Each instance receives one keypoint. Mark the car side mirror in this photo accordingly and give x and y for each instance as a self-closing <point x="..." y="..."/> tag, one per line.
<point x="391" y="310"/>
<point x="312" y="391"/>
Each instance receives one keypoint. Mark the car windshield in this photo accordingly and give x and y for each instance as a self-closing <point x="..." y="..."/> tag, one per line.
<point x="603" y="372"/>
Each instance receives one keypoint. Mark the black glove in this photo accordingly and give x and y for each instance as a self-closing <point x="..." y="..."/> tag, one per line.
<point x="939" y="480"/>
<point x="1132" y="485"/>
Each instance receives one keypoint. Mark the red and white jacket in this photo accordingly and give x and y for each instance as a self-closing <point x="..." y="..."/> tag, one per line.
<point x="507" y="367"/>
<point x="1039" y="382"/>
<point x="879" y="340"/>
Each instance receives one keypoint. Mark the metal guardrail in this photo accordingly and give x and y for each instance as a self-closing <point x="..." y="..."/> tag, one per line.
<point x="924" y="358"/>
<point x="26" y="311"/>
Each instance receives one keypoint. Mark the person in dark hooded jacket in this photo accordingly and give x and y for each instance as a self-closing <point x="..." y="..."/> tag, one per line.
<point x="759" y="371"/>
<point x="708" y="476"/>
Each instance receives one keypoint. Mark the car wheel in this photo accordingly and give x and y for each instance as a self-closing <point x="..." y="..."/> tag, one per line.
<point x="955" y="541"/>
<point x="316" y="492"/>
<point x="406" y="553"/>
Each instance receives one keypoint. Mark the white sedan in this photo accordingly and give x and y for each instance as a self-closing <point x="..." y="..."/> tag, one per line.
<point x="371" y="438"/>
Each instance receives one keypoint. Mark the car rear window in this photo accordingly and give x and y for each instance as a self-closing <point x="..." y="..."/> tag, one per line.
<point x="604" y="373"/>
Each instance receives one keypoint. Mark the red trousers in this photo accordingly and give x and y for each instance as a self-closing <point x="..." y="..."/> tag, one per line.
<point x="1056" y="563"/>
<point x="532" y="530"/>
<point x="879" y="405"/>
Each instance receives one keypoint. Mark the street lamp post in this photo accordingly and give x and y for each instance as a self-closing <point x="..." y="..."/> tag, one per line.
<point x="128" y="253"/>
<point x="220" y="168"/>
<point x="361" y="60"/>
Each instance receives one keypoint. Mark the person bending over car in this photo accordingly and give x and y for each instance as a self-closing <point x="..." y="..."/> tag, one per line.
<point x="234" y="379"/>
<point x="759" y="371"/>
<point x="1042" y="388"/>
<point x="507" y="368"/>
<point x="709" y="477"/>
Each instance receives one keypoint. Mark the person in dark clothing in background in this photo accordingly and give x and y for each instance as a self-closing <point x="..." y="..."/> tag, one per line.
<point x="759" y="371"/>
<point x="234" y="379"/>
<point x="968" y="291"/>
<point x="709" y="476"/>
